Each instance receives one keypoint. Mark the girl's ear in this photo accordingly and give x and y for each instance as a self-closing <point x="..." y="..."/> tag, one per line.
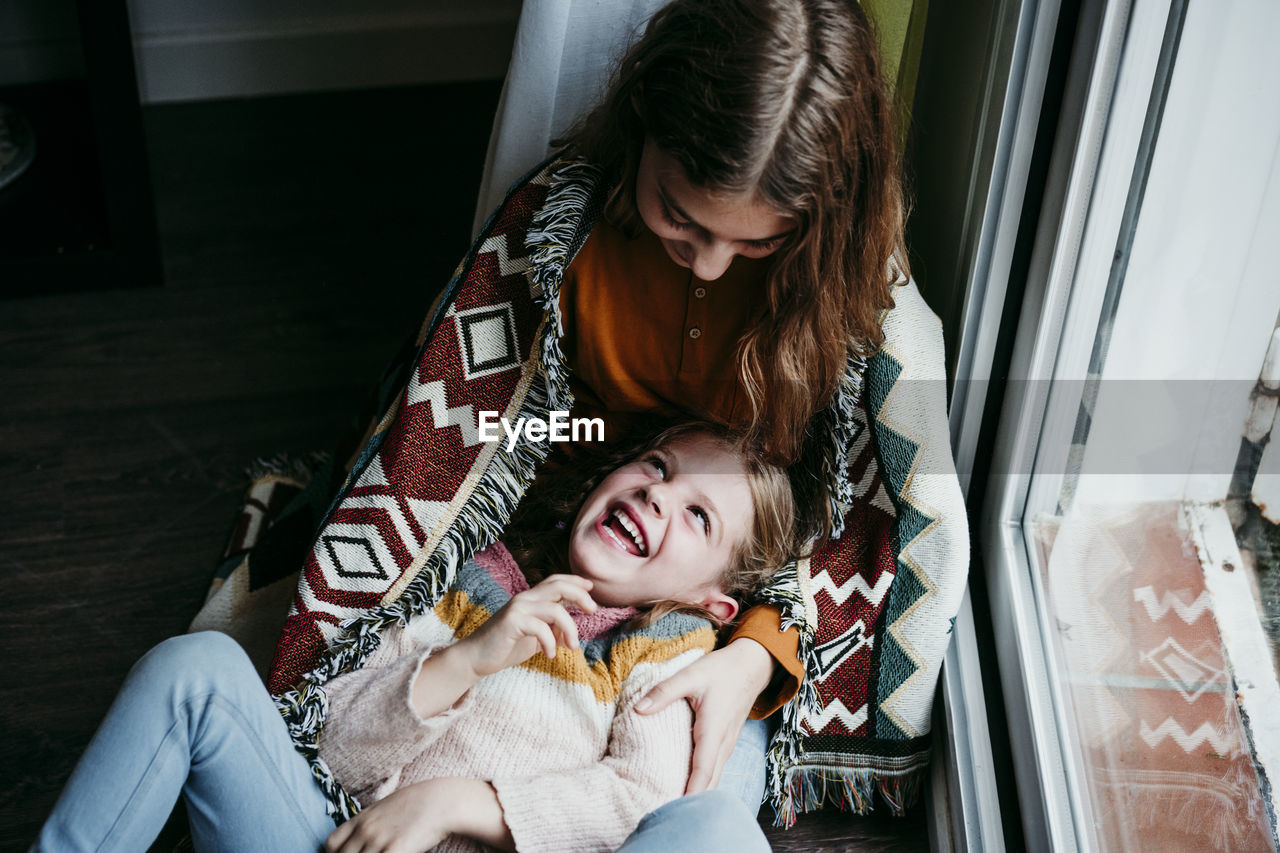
<point x="719" y="605"/>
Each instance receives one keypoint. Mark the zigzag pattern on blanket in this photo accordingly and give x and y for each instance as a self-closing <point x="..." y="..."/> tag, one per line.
<point x="383" y="527"/>
<point x="906" y="389"/>
<point x="904" y="528"/>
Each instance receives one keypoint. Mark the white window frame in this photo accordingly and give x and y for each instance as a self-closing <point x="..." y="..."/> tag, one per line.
<point x="1120" y="70"/>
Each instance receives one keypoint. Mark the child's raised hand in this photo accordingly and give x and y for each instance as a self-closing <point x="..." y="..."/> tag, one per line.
<point x="535" y="619"/>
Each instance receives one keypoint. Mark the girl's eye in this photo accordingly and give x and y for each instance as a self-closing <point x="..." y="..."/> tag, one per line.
<point x="659" y="466"/>
<point x="703" y="519"/>
<point x="671" y="220"/>
<point x="766" y="245"/>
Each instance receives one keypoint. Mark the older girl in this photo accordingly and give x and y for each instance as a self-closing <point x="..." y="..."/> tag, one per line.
<point x="746" y="253"/>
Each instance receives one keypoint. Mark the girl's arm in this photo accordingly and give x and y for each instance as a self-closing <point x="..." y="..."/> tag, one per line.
<point x="378" y="710"/>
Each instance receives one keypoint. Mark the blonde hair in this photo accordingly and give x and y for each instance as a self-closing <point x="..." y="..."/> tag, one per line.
<point x="538" y="534"/>
<point x="783" y="99"/>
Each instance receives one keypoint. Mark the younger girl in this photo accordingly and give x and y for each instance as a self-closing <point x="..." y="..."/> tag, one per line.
<point x="504" y="715"/>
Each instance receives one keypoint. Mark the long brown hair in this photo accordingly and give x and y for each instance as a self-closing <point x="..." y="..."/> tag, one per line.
<point x="538" y="533"/>
<point x="783" y="99"/>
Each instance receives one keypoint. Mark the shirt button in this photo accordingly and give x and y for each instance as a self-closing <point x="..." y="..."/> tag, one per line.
<point x="700" y="292"/>
<point x="695" y="333"/>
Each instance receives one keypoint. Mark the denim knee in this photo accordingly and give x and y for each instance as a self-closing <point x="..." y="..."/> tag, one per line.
<point x="199" y="657"/>
<point x="709" y="821"/>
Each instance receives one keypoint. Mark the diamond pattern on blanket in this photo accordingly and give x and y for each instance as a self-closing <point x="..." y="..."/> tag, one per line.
<point x="377" y="536"/>
<point x="836" y="653"/>
<point x="354" y="557"/>
<point x="487" y="340"/>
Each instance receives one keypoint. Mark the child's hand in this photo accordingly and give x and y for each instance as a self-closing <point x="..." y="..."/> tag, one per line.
<point x="420" y="816"/>
<point x="412" y="819"/>
<point x="536" y="618"/>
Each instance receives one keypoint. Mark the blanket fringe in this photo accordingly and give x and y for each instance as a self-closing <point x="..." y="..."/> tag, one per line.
<point x="483" y="516"/>
<point x="841" y="426"/>
<point x="848" y="790"/>
<point x="288" y="466"/>
<point x="786" y="747"/>
<point x="791" y="789"/>
<point x="554" y="229"/>
<point x="552" y="235"/>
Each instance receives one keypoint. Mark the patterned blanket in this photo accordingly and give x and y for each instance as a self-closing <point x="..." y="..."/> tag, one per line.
<point x="424" y="493"/>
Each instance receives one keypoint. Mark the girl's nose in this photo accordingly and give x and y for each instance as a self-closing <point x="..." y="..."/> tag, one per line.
<point x="655" y="497"/>
<point x="711" y="260"/>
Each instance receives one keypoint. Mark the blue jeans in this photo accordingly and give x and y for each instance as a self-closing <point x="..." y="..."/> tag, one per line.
<point x="193" y="719"/>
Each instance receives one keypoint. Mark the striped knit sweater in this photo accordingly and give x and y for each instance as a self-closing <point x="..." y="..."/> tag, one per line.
<point x="574" y="767"/>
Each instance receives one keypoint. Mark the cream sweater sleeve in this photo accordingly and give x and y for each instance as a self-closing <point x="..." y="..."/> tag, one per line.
<point x="372" y="731"/>
<point x="594" y="808"/>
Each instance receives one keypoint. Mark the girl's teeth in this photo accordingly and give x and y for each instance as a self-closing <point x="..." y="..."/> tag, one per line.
<point x="630" y="527"/>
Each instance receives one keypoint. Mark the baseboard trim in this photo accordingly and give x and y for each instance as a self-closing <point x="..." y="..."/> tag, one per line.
<point x="217" y="64"/>
<point x="197" y="64"/>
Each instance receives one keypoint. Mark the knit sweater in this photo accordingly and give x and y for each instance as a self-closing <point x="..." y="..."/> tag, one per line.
<point x="574" y="767"/>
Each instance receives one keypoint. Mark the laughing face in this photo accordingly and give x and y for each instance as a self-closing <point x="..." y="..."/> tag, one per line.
<point x="665" y="526"/>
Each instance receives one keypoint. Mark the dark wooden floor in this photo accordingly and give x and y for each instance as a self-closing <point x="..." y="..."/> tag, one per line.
<point x="303" y="238"/>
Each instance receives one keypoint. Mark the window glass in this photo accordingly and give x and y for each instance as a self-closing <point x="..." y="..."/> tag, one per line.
<point x="1150" y="520"/>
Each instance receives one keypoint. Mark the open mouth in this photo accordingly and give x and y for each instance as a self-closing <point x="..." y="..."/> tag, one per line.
<point x="625" y="531"/>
